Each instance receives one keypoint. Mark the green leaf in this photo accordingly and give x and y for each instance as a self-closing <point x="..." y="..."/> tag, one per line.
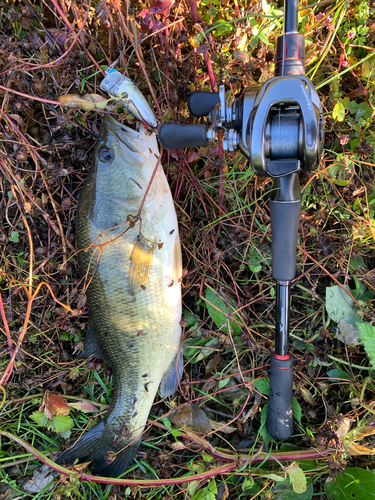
<point x="353" y="107"/>
<point x="364" y="112"/>
<point x="263" y="38"/>
<point x="341" y="182"/>
<point x="206" y="457"/>
<point x="189" y="317"/>
<point x="223" y="382"/>
<point x="14" y="237"/>
<point x="338" y="374"/>
<point x="367" y="334"/>
<point x="257" y="259"/>
<point x="297" y="410"/>
<point x="250" y="487"/>
<point x="340" y="305"/>
<point x="353" y="483"/>
<point x="263" y="385"/>
<point x="339" y="112"/>
<point x="167" y="423"/>
<point x="220" y="311"/>
<point x="208" y="493"/>
<point x="284" y="491"/>
<point x="274" y="477"/>
<point x="222" y="27"/>
<point x="192" y="353"/>
<point x="297" y="478"/>
<point x="367" y="67"/>
<point x="263" y="427"/>
<point x="62" y="423"/>
<point x="361" y="291"/>
<point x="255" y="268"/>
<point x="39" y="417"/>
<point x="354" y="143"/>
<point x="206" y="352"/>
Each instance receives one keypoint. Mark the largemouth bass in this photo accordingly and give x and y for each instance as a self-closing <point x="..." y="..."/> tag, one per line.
<point x="132" y="268"/>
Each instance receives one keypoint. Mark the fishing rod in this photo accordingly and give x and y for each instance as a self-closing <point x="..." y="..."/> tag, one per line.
<point x="279" y="128"/>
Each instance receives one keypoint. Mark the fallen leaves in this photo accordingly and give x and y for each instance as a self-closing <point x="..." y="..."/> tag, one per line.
<point x="54" y="412"/>
<point x="54" y="405"/>
<point x="350" y="438"/>
<point x="87" y="102"/>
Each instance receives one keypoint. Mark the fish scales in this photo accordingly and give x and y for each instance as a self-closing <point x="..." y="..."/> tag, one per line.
<point x="134" y="290"/>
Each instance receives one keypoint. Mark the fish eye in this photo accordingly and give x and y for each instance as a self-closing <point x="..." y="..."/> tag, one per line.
<point x="106" y="154"/>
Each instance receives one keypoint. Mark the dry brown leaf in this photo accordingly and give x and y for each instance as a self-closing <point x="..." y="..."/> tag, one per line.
<point x="347" y="333"/>
<point x="344" y="428"/>
<point x="227" y="429"/>
<point x="354" y="449"/>
<point x="54" y="405"/>
<point x="350" y="438"/>
<point x="242" y="56"/>
<point x="307" y="396"/>
<point x="192" y="416"/>
<point x="84" y="406"/>
<point x="198" y="439"/>
<point x="87" y="102"/>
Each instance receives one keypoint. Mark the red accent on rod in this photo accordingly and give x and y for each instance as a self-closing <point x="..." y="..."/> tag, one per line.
<point x="282" y="367"/>
<point x="277" y="356"/>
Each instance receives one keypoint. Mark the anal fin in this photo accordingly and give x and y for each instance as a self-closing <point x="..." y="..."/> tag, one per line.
<point x="171" y="378"/>
<point x="92" y="348"/>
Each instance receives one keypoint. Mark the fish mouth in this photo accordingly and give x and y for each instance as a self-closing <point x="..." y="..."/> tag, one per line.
<point x="110" y="124"/>
<point x="130" y="138"/>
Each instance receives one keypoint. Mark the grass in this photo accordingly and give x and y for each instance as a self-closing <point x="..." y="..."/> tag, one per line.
<point x="224" y="222"/>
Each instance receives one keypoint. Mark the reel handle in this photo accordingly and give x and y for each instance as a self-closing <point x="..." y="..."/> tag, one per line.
<point x="177" y="136"/>
<point x="200" y="102"/>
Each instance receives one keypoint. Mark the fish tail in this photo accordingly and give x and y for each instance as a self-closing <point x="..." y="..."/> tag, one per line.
<point x="111" y="455"/>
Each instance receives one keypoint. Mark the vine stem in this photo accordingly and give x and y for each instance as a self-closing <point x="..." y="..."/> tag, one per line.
<point x="236" y="463"/>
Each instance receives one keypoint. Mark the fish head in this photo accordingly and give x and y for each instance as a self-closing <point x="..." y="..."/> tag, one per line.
<point x="124" y="162"/>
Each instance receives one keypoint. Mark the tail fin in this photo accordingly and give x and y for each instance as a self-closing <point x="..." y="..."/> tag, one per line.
<point x="111" y="454"/>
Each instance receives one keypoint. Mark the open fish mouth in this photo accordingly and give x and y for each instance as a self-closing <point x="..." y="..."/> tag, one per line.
<point x="137" y="142"/>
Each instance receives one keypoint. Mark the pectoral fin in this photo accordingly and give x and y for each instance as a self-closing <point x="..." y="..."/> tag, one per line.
<point x="92" y="348"/>
<point x="140" y="263"/>
<point x="170" y="380"/>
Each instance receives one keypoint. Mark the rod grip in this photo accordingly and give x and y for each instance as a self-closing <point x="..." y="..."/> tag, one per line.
<point x="200" y="102"/>
<point x="177" y="136"/>
<point x="284" y="226"/>
<point x="280" y="410"/>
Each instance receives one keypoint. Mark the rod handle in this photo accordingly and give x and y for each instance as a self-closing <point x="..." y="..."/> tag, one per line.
<point x="280" y="410"/>
<point x="200" y="102"/>
<point x="284" y="226"/>
<point x="177" y="136"/>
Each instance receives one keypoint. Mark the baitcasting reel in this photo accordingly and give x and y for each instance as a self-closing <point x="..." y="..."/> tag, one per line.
<point x="279" y="128"/>
<point x="269" y="124"/>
